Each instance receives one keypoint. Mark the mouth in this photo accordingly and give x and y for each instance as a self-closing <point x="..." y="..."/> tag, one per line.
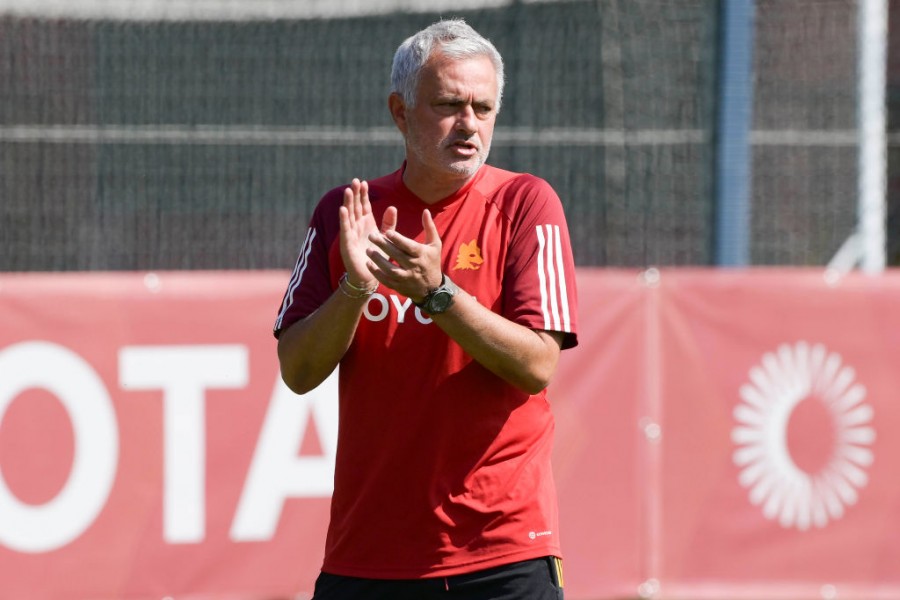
<point x="464" y="148"/>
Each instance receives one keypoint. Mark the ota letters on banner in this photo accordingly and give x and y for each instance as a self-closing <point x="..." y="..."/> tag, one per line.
<point x="183" y="374"/>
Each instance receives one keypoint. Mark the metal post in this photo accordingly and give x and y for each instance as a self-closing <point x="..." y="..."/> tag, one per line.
<point x="735" y="113"/>
<point x="872" y="210"/>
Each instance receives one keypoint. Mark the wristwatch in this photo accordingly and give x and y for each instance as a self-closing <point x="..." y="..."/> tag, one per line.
<point x="440" y="299"/>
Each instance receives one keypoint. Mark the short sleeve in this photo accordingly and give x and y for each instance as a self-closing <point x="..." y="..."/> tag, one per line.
<point x="310" y="283"/>
<point x="539" y="288"/>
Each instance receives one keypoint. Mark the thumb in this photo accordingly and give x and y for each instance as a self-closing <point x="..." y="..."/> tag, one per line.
<point x="389" y="220"/>
<point x="432" y="237"/>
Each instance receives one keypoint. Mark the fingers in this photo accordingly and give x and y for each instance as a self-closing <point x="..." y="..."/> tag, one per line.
<point x="396" y="245"/>
<point x="400" y="248"/>
<point x="365" y="206"/>
<point x="348" y="198"/>
<point x="344" y="219"/>
<point x="389" y="220"/>
<point x="350" y="201"/>
<point x="380" y="265"/>
<point x="432" y="237"/>
<point x="402" y="263"/>
<point x="356" y="199"/>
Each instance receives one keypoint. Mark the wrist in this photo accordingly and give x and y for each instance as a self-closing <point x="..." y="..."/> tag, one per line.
<point x="418" y="300"/>
<point x="352" y="290"/>
<point x="440" y="298"/>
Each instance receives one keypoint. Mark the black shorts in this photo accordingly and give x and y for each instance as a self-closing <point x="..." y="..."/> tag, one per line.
<point x="537" y="579"/>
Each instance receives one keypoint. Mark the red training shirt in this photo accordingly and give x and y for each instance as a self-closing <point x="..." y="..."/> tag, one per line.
<point x="442" y="467"/>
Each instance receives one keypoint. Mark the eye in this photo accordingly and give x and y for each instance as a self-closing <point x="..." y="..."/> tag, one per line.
<point x="447" y="106"/>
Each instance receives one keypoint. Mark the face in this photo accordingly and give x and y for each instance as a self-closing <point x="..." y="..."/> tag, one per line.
<point x="448" y="132"/>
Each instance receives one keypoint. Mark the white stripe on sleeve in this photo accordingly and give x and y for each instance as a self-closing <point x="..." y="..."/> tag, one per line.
<point x="552" y="279"/>
<point x="551" y="276"/>
<point x="563" y="292"/>
<point x="541" y="276"/>
<point x="297" y="275"/>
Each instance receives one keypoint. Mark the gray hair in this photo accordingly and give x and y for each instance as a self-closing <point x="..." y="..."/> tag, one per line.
<point x="453" y="37"/>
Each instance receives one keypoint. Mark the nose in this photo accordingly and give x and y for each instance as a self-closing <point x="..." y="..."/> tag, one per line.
<point x="465" y="120"/>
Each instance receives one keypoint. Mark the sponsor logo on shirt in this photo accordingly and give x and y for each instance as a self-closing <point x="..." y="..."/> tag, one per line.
<point x="469" y="257"/>
<point x="396" y="308"/>
<point x="379" y="307"/>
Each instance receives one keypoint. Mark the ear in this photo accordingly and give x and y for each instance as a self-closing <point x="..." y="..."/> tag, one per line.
<point x="398" y="111"/>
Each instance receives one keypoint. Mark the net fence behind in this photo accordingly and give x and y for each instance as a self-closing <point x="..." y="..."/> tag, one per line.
<point x="205" y="144"/>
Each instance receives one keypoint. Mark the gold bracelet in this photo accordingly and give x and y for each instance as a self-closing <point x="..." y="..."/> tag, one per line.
<point x="356" y="291"/>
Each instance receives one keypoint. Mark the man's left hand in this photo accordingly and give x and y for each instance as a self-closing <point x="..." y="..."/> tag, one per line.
<point x="405" y="265"/>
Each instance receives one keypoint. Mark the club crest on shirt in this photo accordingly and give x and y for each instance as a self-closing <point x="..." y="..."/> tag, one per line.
<point x="469" y="257"/>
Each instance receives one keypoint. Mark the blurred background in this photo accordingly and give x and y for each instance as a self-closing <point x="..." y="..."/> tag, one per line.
<point x="155" y="154"/>
<point x="171" y="134"/>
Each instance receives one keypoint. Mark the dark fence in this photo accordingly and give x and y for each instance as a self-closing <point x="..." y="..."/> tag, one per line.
<point x="205" y="145"/>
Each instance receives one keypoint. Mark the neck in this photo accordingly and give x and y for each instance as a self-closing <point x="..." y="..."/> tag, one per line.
<point x="431" y="189"/>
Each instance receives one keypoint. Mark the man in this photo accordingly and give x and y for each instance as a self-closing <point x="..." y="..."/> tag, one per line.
<point x="445" y="291"/>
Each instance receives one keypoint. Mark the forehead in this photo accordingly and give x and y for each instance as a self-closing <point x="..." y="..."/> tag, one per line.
<point x="466" y="77"/>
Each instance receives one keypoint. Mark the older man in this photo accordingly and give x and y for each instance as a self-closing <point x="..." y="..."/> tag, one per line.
<point x="445" y="291"/>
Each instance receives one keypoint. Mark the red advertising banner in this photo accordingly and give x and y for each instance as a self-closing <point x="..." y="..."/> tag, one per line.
<point x="147" y="446"/>
<point x="720" y="434"/>
<point x="779" y="400"/>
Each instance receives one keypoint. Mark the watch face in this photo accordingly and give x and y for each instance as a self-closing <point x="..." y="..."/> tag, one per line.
<point x="440" y="302"/>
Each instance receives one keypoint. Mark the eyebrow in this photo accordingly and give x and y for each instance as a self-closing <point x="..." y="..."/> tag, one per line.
<point x="453" y="98"/>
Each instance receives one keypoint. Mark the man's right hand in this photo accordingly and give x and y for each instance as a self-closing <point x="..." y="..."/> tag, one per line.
<point x="357" y="222"/>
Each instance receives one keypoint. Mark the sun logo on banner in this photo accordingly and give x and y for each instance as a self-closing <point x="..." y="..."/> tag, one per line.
<point x="804" y="436"/>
